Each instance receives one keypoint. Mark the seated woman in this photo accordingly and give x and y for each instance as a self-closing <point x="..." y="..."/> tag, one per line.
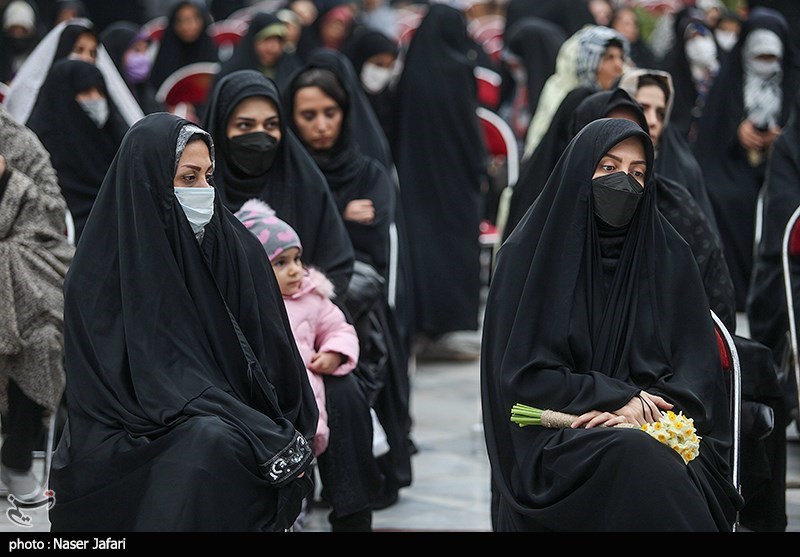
<point x="81" y="128"/>
<point x="332" y="117"/>
<point x="319" y="108"/>
<point x="189" y="408"/>
<point x="597" y="309"/>
<point x="263" y="49"/>
<point x="262" y="158"/>
<point x="185" y="41"/>
<point x="75" y="39"/>
<point x="35" y="256"/>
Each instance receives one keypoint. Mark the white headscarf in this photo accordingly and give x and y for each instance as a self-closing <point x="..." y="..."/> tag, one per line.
<point x="24" y="88"/>
<point x="763" y="95"/>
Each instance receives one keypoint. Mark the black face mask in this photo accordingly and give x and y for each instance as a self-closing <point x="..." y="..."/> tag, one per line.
<point x="253" y="153"/>
<point x="616" y="197"/>
<point x="21" y="45"/>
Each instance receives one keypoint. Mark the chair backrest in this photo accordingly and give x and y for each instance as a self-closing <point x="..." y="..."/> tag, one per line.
<point x="729" y="358"/>
<point x="189" y="84"/>
<point x="500" y="141"/>
<point x="153" y="30"/>
<point x="488" y="32"/>
<point x="227" y="31"/>
<point x="489" y="84"/>
<point x="502" y="146"/>
<point x="790" y="256"/>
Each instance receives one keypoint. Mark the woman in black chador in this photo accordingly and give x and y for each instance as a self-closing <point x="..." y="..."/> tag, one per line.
<point x="189" y="408"/>
<point x="334" y="120"/>
<point x="260" y="157"/>
<point x="185" y="41"/>
<point x="262" y="49"/>
<point x="746" y="109"/>
<point x="441" y="159"/>
<point x="597" y="309"/>
<point x="80" y="126"/>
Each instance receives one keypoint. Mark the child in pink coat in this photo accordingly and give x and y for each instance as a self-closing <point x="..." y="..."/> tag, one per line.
<point x="327" y="342"/>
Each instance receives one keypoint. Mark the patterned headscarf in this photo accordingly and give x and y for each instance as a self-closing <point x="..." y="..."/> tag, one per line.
<point x="274" y="234"/>
<point x="763" y="96"/>
<point x="592" y="43"/>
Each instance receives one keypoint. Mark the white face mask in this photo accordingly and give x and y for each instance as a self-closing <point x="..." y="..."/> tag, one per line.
<point x="764" y="68"/>
<point x="375" y="78"/>
<point x="96" y="110"/>
<point x="726" y="39"/>
<point x="702" y="51"/>
<point x="197" y="204"/>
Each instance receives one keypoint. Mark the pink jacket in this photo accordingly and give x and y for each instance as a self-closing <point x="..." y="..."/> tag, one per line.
<point x="319" y="325"/>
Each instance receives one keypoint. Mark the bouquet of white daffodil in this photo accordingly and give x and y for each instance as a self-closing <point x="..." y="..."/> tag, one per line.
<point x="674" y="430"/>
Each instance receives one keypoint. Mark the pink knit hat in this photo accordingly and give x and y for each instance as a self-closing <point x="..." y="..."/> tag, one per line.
<point x="274" y="234"/>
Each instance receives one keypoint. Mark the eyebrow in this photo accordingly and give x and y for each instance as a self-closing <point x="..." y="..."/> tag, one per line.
<point x="195" y="167"/>
<point x="619" y="159"/>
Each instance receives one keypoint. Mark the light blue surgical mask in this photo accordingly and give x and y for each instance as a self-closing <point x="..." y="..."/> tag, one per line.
<point x="198" y="205"/>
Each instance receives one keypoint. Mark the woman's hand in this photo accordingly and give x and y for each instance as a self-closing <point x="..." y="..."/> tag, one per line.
<point x="753" y="139"/>
<point x="643" y="408"/>
<point x="360" y="210"/>
<point x="596" y="418"/>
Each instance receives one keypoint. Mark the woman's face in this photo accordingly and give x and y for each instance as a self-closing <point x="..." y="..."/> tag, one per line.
<point x="269" y="51"/>
<point x="654" y="105"/>
<point x="85" y="48"/>
<point x="91" y="94"/>
<point x="255" y="114"/>
<point x="194" y="167"/>
<point x="626" y="156"/>
<point x="610" y="67"/>
<point x="625" y="23"/>
<point x="188" y="24"/>
<point x="601" y="10"/>
<point x="334" y="30"/>
<point x="382" y="60"/>
<point x="317" y="117"/>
